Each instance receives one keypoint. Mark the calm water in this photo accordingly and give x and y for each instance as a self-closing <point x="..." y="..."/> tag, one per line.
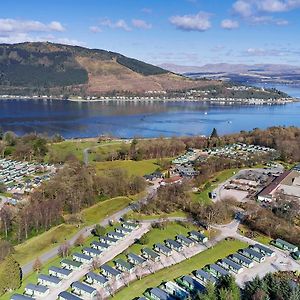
<point x="142" y="120"/>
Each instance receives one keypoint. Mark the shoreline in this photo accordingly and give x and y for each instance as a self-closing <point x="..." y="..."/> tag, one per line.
<point x="121" y="99"/>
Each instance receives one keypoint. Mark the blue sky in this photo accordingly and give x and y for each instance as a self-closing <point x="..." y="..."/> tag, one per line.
<point x="185" y="32"/>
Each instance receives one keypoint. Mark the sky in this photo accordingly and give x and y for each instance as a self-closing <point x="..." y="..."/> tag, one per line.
<point x="184" y="32"/>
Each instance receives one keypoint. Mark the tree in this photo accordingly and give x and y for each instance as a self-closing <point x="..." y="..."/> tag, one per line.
<point x="80" y="240"/>
<point x="144" y="240"/>
<point x="5" y="249"/>
<point x="99" y="230"/>
<point x="37" y="266"/>
<point x="214" y="133"/>
<point x="64" y="249"/>
<point x="210" y="293"/>
<point x="10" y="275"/>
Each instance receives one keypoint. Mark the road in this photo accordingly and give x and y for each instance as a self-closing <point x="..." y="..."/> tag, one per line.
<point x="86" y="231"/>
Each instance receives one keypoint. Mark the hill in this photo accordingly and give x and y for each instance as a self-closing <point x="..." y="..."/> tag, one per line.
<point x="28" y="68"/>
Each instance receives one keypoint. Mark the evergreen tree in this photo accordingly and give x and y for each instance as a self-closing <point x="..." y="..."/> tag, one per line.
<point x="210" y="293"/>
<point x="214" y="133"/>
<point x="251" y="287"/>
<point x="10" y="275"/>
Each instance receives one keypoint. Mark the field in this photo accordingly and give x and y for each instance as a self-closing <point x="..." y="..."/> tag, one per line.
<point x="139" y="168"/>
<point x="209" y="256"/>
<point x="38" y="245"/>
<point x="139" y="216"/>
<point x="211" y="184"/>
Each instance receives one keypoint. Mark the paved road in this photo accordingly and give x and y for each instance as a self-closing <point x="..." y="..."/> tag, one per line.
<point x="86" y="231"/>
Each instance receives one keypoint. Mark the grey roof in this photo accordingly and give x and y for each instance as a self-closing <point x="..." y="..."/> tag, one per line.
<point x="122" y="228"/>
<point x="60" y="270"/>
<point x="49" y="278"/>
<point x="218" y="269"/>
<point x="108" y="239"/>
<point x="38" y="288"/>
<point x="92" y="250"/>
<point x="82" y="256"/>
<point x="173" y="243"/>
<point x="110" y="270"/>
<point x="231" y="263"/>
<point x="194" y="283"/>
<point x="20" y="297"/>
<point x="97" y="277"/>
<point x="163" y="248"/>
<point x="241" y="258"/>
<point x="161" y="294"/>
<point x="68" y="296"/>
<point x="253" y="253"/>
<point x="130" y="224"/>
<point x="71" y="262"/>
<point x="136" y="258"/>
<point x="203" y="274"/>
<point x="285" y="243"/>
<point x="185" y="239"/>
<point x="83" y="287"/>
<point x="100" y="245"/>
<point x="263" y="249"/>
<point x="124" y="264"/>
<point x="116" y="234"/>
<point x="197" y="234"/>
<point x="150" y="252"/>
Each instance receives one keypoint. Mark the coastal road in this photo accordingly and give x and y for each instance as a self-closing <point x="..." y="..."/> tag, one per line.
<point x="86" y="231"/>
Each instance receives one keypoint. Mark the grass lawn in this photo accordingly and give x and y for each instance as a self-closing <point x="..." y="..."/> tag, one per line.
<point x="259" y="237"/>
<point x="209" y="256"/>
<point x="214" y="182"/>
<point x="138" y="168"/>
<point x="139" y="216"/>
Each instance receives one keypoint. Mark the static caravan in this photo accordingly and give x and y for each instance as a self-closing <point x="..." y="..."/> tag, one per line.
<point x="60" y="272"/>
<point x="115" y="235"/>
<point x="150" y="254"/>
<point x="99" y="246"/>
<point x="130" y="225"/>
<point x="242" y="260"/>
<point x="35" y="290"/>
<point x="191" y="283"/>
<point x="263" y="250"/>
<point x="163" y="249"/>
<point x="198" y="236"/>
<point x="110" y="272"/>
<point x="175" y="290"/>
<point x="123" y="230"/>
<point x="93" y="278"/>
<point x="91" y="252"/>
<point x="124" y="266"/>
<point x="296" y="255"/>
<point x="136" y="259"/>
<point x="20" y="297"/>
<point x="159" y="294"/>
<point x="285" y="245"/>
<point x="174" y="245"/>
<point x="49" y="280"/>
<point x="252" y="254"/>
<point x="205" y="277"/>
<point x="230" y="265"/>
<point x="107" y="240"/>
<point x="71" y="264"/>
<point x="83" y="258"/>
<point x="185" y="241"/>
<point x="82" y="289"/>
<point x="216" y="270"/>
<point x="67" y="296"/>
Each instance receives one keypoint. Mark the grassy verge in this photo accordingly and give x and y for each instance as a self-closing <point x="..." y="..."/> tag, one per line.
<point x="259" y="237"/>
<point x="209" y="256"/>
<point x="139" y="216"/>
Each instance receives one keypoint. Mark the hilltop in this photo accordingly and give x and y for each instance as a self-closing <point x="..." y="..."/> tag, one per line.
<point x="43" y="67"/>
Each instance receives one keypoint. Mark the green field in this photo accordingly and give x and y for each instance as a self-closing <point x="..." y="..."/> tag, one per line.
<point x="139" y="216"/>
<point x="139" y="168"/>
<point x="209" y="256"/>
<point x="220" y="177"/>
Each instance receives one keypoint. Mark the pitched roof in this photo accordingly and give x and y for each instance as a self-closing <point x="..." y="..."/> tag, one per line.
<point x="60" y="270"/>
<point x="97" y="277"/>
<point x="68" y="296"/>
<point x="83" y="287"/>
<point x="110" y="270"/>
<point x="49" y="278"/>
<point x="136" y="258"/>
<point x="38" y="288"/>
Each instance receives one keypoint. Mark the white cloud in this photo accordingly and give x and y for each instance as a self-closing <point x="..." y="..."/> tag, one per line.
<point x="198" y="22"/>
<point x="141" y="24"/>
<point x="24" y="26"/>
<point x="120" y="24"/>
<point x="243" y="8"/>
<point x="229" y="24"/>
<point x="95" y="29"/>
<point x="277" y="5"/>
